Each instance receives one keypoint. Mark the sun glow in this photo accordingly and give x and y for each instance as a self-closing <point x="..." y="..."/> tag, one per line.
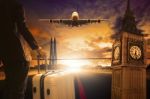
<point x="104" y="63"/>
<point x="105" y="44"/>
<point x="75" y="65"/>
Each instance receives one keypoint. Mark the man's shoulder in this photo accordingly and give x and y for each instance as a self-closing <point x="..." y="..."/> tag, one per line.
<point x="17" y="5"/>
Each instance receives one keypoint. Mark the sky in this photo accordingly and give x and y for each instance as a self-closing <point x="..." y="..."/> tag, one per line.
<point x="87" y="41"/>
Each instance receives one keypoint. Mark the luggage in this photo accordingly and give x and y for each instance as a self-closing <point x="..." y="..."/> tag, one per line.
<point x="53" y="85"/>
<point x="59" y="86"/>
<point x="37" y="82"/>
<point x="70" y="86"/>
<point x="36" y="86"/>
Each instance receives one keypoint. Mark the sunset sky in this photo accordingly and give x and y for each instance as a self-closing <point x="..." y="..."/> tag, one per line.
<point x="87" y="41"/>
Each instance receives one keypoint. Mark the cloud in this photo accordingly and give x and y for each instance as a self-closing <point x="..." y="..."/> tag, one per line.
<point x="93" y="40"/>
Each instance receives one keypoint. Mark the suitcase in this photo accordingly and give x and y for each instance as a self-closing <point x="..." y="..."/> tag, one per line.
<point x="53" y="85"/>
<point x="36" y="86"/>
<point x="37" y="82"/>
<point x="59" y="86"/>
<point x="70" y="86"/>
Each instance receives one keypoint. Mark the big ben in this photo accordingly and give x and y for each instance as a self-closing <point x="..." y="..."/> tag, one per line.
<point x="128" y="66"/>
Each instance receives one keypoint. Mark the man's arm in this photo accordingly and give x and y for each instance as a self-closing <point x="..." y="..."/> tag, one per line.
<point x="22" y="28"/>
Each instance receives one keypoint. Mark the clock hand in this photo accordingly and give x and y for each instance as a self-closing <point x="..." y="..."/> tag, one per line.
<point x="135" y="54"/>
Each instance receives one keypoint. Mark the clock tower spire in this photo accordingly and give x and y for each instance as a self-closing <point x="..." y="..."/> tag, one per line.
<point x="128" y="6"/>
<point x="129" y="23"/>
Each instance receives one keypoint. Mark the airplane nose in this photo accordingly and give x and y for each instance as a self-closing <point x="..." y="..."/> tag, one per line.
<point x="75" y="17"/>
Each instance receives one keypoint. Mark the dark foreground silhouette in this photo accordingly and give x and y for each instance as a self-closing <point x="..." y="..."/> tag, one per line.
<point x="12" y="27"/>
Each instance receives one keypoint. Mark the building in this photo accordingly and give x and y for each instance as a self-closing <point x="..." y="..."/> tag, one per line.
<point x="128" y="61"/>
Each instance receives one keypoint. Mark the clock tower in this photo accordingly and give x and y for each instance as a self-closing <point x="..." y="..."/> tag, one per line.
<point x="128" y="66"/>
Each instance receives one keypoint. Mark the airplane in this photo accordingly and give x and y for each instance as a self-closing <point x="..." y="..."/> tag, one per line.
<point x="74" y="21"/>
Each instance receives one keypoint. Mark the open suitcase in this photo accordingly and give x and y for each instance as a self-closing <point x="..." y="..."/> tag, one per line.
<point x="53" y="85"/>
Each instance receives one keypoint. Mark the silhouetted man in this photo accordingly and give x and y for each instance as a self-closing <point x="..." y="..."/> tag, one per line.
<point x="12" y="25"/>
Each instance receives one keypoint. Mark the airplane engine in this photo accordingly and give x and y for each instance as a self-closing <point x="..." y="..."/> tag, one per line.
<point x="50" y="21"/>
<point x="61" y="21"/>
<point x="89" y="21"/>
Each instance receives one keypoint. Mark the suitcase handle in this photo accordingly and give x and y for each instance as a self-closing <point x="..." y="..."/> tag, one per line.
<point x="38" y="62"/>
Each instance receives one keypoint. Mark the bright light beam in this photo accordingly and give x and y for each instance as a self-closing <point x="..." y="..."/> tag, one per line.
<point x="75" y="65"/>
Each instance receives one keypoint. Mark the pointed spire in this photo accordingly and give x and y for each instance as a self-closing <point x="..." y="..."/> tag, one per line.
<point x="128" y="5"/>
<point x="51" y="41"/>
<point x="129" y="23"/>
<point x="53" y="53"/>
<point x="128" y="10"/>
<point x="54" y="40"/>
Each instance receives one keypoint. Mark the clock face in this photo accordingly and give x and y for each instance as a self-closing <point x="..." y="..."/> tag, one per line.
<point x="116" y="53"/>
<point x="135" y="52"/>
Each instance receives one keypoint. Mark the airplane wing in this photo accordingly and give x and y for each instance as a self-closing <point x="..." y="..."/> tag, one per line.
<point x="71" y="22"/>
<point x="62" y="21"/>
<point x="87" y="21"/>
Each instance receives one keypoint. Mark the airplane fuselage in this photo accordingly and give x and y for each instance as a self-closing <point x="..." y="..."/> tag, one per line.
<point x="74" y="21"/>
<point x="75" y="16"/>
